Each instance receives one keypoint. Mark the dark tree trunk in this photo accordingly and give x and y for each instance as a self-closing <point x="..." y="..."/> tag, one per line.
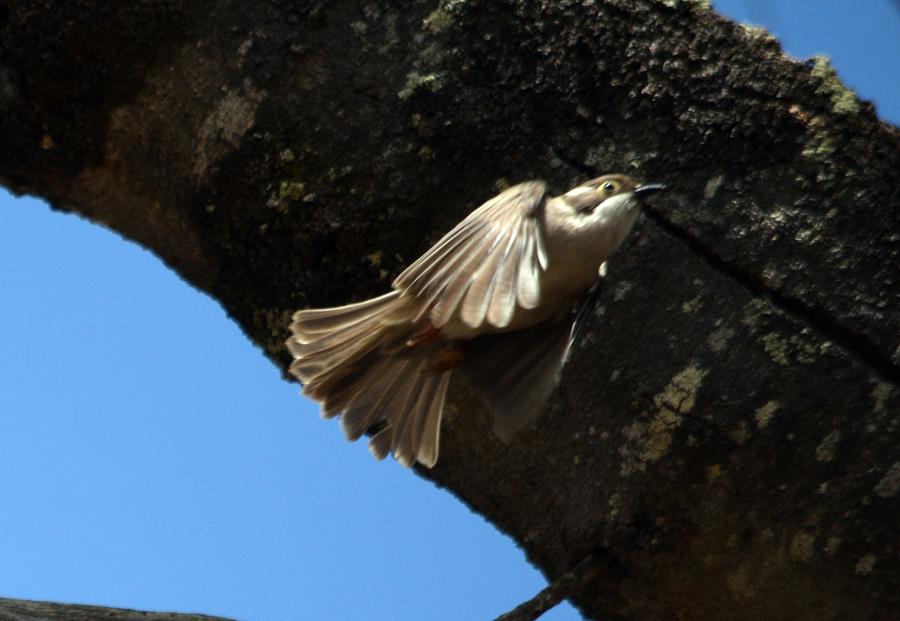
<point x="726" y="436"/>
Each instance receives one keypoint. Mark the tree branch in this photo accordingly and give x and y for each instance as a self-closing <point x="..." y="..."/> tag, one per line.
<point x="592" y="568"/>
<point x="24" y="610"/>
<point x="727" y="428"/>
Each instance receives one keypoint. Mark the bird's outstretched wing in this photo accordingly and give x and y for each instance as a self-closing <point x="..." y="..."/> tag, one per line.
<point x="487" y="265"/>
<point x="517" y="371"/>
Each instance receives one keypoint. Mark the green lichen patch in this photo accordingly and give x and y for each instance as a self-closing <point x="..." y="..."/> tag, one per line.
<point x="865" y="565"/>
<point x="776" y="347"/>
<point x="828" y="445"/>
<point x="615" y="505"/>
<point x="764" y="414"/>
<point x="843" y="99"/>
<point x="889" y="484"/>
<point x="718" y="338"/>
<point x="880" y="394"/>
<point x="757" y="32"/>
<point x="648" y="441"/>
<point x="692" y="306"/>
<point x="681" y="393"/>
<point x="359" y="28"/>
<point x="438" y="21"/>
<point x="416" y="81"/>
<point x="714" y="472"/>
<point x="712" y="186"/>
<point x="291" y="191"/>
<point x="374" y="259"/>
<point x="674" y="4"/>
<point x="803" y="547"/>
<point x="785" y="351"/>
<point x="820" y="145"/>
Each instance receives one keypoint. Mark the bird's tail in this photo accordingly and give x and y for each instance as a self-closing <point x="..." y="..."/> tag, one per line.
<point x="358" y="362"/>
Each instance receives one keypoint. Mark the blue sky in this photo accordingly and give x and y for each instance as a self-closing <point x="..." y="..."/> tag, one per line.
<point x="151" y="457"/>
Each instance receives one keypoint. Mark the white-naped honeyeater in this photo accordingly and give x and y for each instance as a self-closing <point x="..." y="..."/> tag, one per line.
<point x="501" y="297"/>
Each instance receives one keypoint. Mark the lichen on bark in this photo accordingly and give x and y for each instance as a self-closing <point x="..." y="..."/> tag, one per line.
<point x="281" y="155"/>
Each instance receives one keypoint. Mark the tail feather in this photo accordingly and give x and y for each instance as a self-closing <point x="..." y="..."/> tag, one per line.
<point x="408" y="432"/>
<point x="337" y="370"/>
<point x="380" y="444"/>
<point x="409" y="400"/>
<point x="329" y="338"/>
<point x="312" y="368"/>
<point x="336" y="396"/>
<point x="330" y="343"/>
<point x="308" y="323"/>
<point x="319" y="352"/>
<point x="379" y="389"/>
<point x="414" y="433"/>
<point x="404" y="415"/>
<point x="355" y="360"/>
<point x="429" y="438"/>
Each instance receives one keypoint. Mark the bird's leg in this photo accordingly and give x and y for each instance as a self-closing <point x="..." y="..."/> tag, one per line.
<point x="426" y="334"/>
<point x="585" y="306"/>
<point x="447" y="356"/>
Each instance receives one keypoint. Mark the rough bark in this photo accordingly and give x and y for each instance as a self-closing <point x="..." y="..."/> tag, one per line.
<point x="22" y="610"/>
<point x="727" y="433"/>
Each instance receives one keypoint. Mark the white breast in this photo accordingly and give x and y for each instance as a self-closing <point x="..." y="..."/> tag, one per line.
<point x="578" y="243"/>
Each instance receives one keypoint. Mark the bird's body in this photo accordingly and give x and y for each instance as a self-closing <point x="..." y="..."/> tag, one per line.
<point x="496" y="297"/>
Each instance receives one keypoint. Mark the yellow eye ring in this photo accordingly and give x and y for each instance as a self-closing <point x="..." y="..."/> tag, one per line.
<point x="608" y="188"/>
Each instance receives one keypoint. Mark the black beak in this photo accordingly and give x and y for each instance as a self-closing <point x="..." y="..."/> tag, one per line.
<point x="648" y="188"/>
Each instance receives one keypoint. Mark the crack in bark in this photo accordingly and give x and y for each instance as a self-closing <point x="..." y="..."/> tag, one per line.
<point x="856" y="344"/>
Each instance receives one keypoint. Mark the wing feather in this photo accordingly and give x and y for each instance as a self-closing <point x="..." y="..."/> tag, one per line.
<point x="432" y="262"/>
<point x="528" y="291"/>
<point x="478" y="297"/>
<point x="463" y="261"/>
<point x="503" y="298"/>
<point x="425" y="264"/>
<point x="450" y="293"/>
<point x="540" y="248"/>
<point x="487" y="265"/>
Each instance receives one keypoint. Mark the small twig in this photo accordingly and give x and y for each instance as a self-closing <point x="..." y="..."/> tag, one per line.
<point x="561" y="588"/>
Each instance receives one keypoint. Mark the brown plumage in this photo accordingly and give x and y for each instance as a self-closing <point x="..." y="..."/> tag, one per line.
<point x="495" y="296"/>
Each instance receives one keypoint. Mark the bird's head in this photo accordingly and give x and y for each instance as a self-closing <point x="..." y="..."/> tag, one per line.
<point x="613" y="193"/>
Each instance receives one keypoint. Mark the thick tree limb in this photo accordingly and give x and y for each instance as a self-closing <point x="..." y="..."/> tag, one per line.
<point x="22" y="610"/>
<point x="727" y="431"/>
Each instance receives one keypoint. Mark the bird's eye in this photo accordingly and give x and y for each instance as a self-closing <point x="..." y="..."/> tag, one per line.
<point x="608" y="188"/>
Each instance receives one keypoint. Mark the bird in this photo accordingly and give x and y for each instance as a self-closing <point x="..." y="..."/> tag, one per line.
<point x="501" y="297"/>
